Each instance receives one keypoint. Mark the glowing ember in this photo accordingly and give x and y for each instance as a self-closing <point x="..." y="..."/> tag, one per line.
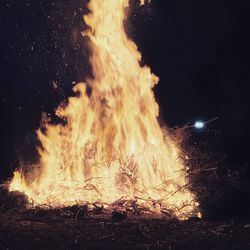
<point x="112" y="146"/>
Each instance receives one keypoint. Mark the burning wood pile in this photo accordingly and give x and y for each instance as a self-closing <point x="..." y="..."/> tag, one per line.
<point x="110" y="151"/>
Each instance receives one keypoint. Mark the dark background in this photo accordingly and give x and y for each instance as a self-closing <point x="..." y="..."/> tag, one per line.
<point x="199" y="49"/>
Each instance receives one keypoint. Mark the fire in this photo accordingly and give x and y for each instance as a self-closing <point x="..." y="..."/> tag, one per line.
<point x="111" y="146"/>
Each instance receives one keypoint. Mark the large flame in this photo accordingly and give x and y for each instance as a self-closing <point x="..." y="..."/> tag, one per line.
<point x="112" y="146"/>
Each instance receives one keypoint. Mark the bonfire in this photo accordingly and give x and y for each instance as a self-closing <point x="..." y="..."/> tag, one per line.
<point x="110" y="148"/>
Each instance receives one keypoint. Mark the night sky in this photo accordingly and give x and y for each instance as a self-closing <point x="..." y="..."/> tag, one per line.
<point x="199" y="49"/>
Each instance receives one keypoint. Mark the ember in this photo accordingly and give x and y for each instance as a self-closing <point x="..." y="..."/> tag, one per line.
<point x="112" y="150"/>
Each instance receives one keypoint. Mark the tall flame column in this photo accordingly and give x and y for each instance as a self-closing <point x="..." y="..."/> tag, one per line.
<point x="112" y="146"/>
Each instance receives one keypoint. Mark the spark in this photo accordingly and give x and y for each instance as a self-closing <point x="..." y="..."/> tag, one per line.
<point x="199" y="125"/>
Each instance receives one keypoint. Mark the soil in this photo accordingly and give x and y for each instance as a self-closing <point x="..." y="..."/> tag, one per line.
<point x="78" y="228"/>
<point x="65" y="229"/>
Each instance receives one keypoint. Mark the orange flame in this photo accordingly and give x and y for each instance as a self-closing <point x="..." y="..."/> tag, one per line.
<point x="112" y="145"/>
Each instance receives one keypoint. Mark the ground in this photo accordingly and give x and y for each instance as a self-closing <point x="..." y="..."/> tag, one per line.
<point x="65" y="229"/>
<point x="78" y="227"/>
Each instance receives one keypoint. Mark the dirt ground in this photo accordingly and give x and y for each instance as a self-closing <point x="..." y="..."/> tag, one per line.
<point x="67" y="229"/>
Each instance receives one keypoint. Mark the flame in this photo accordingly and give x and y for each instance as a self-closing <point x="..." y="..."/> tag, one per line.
<point x="112" y="145"/>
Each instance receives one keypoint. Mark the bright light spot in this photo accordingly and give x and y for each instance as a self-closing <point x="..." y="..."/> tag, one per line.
<point x="199" y="125"/>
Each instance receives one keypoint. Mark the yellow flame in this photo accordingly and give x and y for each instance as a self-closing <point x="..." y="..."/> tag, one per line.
<point x="112" y="146"/>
